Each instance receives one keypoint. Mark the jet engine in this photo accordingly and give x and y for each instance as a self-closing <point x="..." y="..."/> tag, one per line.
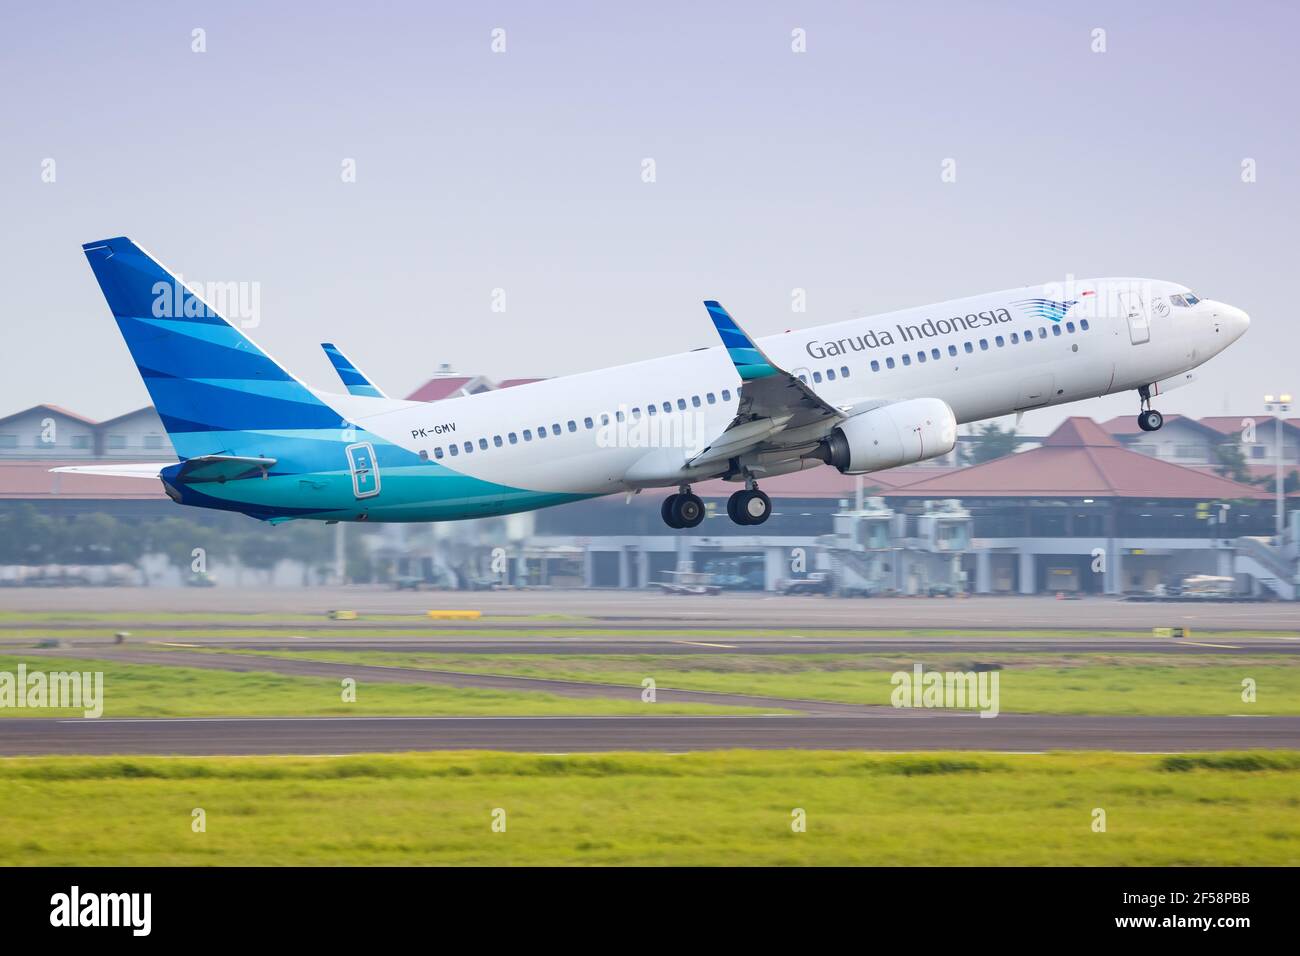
<point x="899" y="434"/>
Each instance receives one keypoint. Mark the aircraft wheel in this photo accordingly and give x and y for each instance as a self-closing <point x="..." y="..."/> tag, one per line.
<point x="758" y="507"/>
<point x="668" y="511"/>
<point x="1150" y="420"/>
<point x="749" y="507"/>
<point x="688" y="510"/>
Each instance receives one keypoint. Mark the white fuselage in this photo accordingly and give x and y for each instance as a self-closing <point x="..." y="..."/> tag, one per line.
<point x="985" y="356"/>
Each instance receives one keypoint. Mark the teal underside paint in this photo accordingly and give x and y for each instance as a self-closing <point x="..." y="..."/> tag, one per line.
<point x="305" y="484"/>
<point x="424" y="492"/>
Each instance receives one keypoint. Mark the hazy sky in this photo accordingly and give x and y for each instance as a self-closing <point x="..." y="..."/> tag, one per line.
<point x="522" y="171"/>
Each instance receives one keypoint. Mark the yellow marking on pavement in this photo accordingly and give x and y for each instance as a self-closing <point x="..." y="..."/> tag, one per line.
<point x="1230" y="647"/>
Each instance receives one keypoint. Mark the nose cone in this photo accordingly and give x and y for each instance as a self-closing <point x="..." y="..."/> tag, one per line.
<point x="1229" y="321"/>
<point x="1235" y="321"/>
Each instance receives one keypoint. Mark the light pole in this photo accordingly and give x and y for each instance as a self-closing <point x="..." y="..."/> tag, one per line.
<point x="1278" y="406"/>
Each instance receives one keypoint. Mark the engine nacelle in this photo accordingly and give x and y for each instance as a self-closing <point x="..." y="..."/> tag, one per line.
<point x="892" y="435"/>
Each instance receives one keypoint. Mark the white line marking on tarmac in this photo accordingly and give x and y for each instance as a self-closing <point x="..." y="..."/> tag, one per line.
<point x="1230" y="647"/>
<point x="731" y="647"/>
<point x="174" y="644"/>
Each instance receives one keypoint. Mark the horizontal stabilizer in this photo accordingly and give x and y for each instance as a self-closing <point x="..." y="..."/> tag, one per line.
<point x="191" y="471"/>
<point x="140" y="469"/>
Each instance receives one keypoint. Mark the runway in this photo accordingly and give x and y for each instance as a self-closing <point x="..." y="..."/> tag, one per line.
<point x="893" y="731"/>
<point x="614" y="611"/>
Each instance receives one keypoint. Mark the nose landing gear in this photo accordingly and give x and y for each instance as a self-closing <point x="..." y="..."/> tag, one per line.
<point x="682" y="510"/>
<point x="1149" y="420"/>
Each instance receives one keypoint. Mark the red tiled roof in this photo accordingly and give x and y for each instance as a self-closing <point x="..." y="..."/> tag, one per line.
<point x="1225" y="424"/>
<point x="1256" y="472"/>
<point x="1221" y="424"/>
<point x="57" y="409"/>
<point x="131" y="414"/>
<point x="1078" y="460"/>
<point x="512" y="382"/>
<point x="1078" y="432"/>
<point x="1231" y="424"/>
<point x="32" y="480"/>
<point x="436" y="389"/>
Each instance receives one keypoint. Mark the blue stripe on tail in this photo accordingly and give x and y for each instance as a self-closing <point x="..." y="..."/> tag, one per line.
<point x="349" y="374"/>
<point x="749" y="361"/>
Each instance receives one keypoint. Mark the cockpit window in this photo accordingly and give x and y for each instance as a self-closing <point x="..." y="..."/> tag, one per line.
<point x="1191" y="299"/>
<point x="1178" y="300"/>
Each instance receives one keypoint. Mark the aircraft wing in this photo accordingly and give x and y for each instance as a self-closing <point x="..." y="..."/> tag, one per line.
<point x="355" y="382"/>
<point x="776" y="409"/>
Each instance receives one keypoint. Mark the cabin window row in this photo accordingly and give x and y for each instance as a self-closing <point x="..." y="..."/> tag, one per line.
<point x="829" y="375"/>
<point x="999" y="341"/>
<point x="554" y="429"/>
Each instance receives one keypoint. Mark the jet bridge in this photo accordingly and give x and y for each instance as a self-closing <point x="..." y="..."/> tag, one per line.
<point x="877" y="550"/>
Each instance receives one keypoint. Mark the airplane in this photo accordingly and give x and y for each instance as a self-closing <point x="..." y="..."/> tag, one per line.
<point x="861" y="395"/>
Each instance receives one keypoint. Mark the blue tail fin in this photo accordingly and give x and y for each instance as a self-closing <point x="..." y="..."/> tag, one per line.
<point x="350" y="375"/>
<point x="216" y="392"/>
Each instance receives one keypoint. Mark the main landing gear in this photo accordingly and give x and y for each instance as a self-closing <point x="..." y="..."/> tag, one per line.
<point x="682" y="510"/>
<point x="685" y="510"/>
<point x="1149" y="420"/>
<point x="749" y="506"/>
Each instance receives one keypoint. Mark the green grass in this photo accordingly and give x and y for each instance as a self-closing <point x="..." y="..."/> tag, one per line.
<point x="156" y="690"/>
<point x="1028" y="683"/>
<point x="728" y="808"/>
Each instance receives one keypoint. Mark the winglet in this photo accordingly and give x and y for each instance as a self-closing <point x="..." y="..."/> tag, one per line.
<point x="748" y="358"/>
<point x="356" y="383"/>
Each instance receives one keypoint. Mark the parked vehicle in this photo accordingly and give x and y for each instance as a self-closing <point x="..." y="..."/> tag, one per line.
<point x="1210" y="586"/>
<point x="817" y="582"/>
